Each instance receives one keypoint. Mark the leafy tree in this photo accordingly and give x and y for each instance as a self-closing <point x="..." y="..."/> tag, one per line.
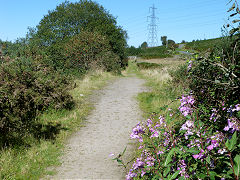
<point x="70" y="19"/>
<point x="171" y="44"/>
<point x="144" y="45"/>
<point x="164" y="40"/>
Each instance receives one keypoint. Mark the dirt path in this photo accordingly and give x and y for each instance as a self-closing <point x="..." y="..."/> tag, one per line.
<point x="106" y="131"/>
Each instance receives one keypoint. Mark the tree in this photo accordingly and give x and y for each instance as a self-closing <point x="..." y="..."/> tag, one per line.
<point x="69" y="19"/>
<point x="171" y="44"/>
<point x="164" y="40"/>
<point x="144" y="45"/>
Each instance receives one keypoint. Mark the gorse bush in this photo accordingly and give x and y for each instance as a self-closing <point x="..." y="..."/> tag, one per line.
<point x="27" y="89"/>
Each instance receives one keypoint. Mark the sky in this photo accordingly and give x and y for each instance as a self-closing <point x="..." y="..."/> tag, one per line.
<point x="177" y="19"/>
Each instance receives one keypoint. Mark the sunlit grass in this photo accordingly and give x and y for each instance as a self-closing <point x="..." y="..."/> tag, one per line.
<point x="163" y="92"/>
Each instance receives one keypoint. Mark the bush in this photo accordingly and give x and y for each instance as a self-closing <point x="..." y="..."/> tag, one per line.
<point x="215" y="82"/>
<point x="71" y="19"/>
<point x="27" y="89"/>
<point x="91" y="50"/>
<point x="155" y="52"/>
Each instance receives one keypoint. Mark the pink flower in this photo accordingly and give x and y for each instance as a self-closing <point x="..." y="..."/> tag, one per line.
<point x="155" y="134"/>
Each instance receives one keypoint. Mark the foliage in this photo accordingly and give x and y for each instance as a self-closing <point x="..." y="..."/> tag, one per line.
<point x="171" y="44"/>
<point x="89" y="50"/>
<point x="155" y="52"/>
<point x="203" y="45"/>
<point x="145" y="65"/>
<point x="164" y="40"/>
<point x="192" y="150"/>
<point x="70" y="19"/>
<point x="206" y="145"/>
<point x="149" y="53"/>
<point x="27" y="89"/>
<point x="144" y="45"/>
<point x="30" y="158"/>
<point x="132" y="51"/>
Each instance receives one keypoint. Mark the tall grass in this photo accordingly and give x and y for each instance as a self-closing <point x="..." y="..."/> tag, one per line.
<point x="31" y="159"/>
<point x="162" y="90"/>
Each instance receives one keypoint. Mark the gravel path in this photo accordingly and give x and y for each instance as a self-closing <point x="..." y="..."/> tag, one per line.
<point x="106" y="131"/>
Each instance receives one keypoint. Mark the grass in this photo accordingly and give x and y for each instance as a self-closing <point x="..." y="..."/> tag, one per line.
<point x="162" y="90"/>
<point x="203" y="45"/>
<point x="30" y="161"/>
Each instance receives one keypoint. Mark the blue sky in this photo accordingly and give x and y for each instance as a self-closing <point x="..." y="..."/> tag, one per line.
<point x="177" y="19"/>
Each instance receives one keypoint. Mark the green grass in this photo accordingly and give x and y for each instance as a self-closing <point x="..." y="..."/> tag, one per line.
<point x="32" y="159"/>
<point x="203" y="45"/>
<point x="162" y="90"/>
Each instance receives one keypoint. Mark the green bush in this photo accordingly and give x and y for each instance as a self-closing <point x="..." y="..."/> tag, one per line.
<point x="155" y="52"/>
<point x="71" y="19"/>
<point x="215" y="81"/>
<point x="27" y="89"/>
<point x="89" y="50"/>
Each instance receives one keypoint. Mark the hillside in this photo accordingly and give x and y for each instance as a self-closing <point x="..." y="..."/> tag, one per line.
<point x="202" y="45"/>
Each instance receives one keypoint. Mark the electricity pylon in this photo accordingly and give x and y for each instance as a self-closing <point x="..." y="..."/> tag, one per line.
<point x="152" y="35"/>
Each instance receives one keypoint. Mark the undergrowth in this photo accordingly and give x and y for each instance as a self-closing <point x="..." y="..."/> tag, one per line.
<point x="31" y="157"/>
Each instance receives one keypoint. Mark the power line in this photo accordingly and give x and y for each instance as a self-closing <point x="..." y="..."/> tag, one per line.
<point x="152" y="35"/>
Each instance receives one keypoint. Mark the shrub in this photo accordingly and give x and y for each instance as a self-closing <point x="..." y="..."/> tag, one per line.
<point x="155" y="52"/>
<point x="91" y="50"/>
<point x="27" y="89"/>
<point x="70" y="19"/>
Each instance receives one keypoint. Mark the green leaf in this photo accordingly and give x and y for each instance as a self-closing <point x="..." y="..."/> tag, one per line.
<point x="119" y="161"/>
<point x="124" y="151"/>
<point x="156" y="177"/>
<point x="212" y="175"/>
<point x="166" y="171"/>
<point x="231" y="144"/>
<point x="193" y="151"/>
<point x="181" y="178"/>
<point x="169" y="157"/>
<point x="173" y="176"/>
<point x="208" y="160"/>
<point x="237" y="165"/>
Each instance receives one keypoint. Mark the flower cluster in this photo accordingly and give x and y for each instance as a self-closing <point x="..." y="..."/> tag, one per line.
<point x="186" y="107"/>
<point x="214" y="116"/>
<point x="188" y="126"/>
<point x="137" y="132"/>
<point x="189" y="66"/>
<point x="182" y="167"/>
<point x="168" y="152"/>
<point x="233" y="125"/>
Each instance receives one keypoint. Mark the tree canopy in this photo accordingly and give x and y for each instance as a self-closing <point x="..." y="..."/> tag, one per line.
<point x="69" y="19"/>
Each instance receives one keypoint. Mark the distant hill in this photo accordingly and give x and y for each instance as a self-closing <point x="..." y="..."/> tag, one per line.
<point x="202" y="45"/>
